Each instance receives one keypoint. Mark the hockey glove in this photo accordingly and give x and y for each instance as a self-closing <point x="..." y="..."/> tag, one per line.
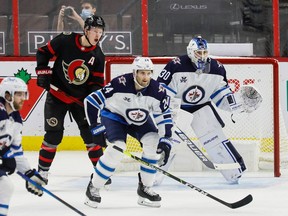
<point x="8" y="165"/>
<point x="164" y="148"/>
<point x="98" y="133"/>
<point x="35" y="176"/>
<point x="44" y="77"/>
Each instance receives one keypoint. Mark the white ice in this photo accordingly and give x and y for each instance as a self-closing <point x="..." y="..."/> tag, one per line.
<point x="70" y="173"/>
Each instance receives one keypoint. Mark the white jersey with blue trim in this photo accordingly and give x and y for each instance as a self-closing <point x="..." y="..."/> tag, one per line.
<point x="182" y="80"/>
<point x="11" y="137"/>
<point x="120" y="101"/>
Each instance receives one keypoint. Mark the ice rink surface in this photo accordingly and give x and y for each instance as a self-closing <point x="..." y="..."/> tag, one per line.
<point x="70" y="173"/>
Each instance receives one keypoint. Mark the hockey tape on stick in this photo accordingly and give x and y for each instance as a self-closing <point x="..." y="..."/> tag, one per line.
<point x="50" y="193"/>
<point x="193" y="147"/>
<point x="66" y="95"/>
<point x="246" y="200"/>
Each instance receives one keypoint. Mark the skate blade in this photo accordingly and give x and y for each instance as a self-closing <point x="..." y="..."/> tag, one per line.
<point x="148" y="203"/>
<point x="108" y="184"/>
<point x="107" y="187"/>
<point x="91" y="203"/>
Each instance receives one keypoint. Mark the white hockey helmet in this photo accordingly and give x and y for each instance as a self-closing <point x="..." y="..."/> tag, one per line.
<point x="141" y="63"/>
<point x="12" y="85"/>
<point x="197" y="50"/>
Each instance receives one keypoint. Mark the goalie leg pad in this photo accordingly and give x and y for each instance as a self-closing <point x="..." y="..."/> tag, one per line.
<point x="107" y="164"/>
<point x="209" y="131"/>
<point x="150" y="143"/>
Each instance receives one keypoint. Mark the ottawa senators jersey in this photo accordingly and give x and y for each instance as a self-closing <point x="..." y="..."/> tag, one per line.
<point x="77" y="70"/>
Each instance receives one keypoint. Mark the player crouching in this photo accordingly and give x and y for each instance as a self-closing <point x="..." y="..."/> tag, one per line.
<point x="122" y="107"/>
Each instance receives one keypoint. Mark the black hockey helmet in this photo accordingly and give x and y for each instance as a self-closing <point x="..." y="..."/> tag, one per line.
<point x="94" y="21"/>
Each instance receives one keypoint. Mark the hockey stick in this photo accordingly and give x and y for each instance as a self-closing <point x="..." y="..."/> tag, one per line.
<point x="193" y="147"/>
<point x="67" y="95"/>
<point x="50" y="193"/>
<point x="246" y="200"/>
<point x="180" y="134"/>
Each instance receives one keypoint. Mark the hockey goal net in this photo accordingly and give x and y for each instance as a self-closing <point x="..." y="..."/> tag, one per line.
<point x="260" y="137"/>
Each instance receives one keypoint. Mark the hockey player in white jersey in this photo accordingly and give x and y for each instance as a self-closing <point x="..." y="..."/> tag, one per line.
<point x="13" y="92"/>
<point x="198" y="81"/>
<point x="123" y="107"/>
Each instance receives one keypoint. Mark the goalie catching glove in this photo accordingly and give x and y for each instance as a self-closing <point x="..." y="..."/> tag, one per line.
<point x="35" y="176"/>
<point x="251" y="98"/>
<point x="44" y="77"/>
<point x="164" y="148"/>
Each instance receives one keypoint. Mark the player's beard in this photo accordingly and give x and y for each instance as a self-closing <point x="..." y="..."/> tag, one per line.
<point x="18" y="106"/>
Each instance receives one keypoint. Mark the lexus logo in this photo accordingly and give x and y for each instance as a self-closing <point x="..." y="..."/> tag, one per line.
<point x="176" y="6"/>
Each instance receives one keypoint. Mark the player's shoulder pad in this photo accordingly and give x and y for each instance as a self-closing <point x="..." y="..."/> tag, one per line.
<point x="3" y="112"/>
<point x="156" y="90"/>
<point x="217" y="67"/>
<point x="123" y="80"/>
<point x="17" y="117"/>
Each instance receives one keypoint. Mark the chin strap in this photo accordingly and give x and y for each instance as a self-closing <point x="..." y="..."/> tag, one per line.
<point x="11" y="103"/>
<point x="88" y="40"/>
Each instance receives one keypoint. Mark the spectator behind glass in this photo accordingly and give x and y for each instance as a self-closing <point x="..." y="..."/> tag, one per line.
<point x="70" y="20"/>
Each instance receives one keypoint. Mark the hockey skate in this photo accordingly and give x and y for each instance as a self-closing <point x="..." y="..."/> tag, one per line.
<point x="147" y="197"/>
<point x="44" y="175"/>
<point x="92" y="195"/>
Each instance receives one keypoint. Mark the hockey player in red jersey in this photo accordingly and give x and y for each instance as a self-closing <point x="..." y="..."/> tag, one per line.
<point x="13" y="93"/>
<point x="78" y="70"/>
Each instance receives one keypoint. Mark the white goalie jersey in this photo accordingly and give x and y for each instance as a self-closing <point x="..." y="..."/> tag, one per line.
<point x="195" y="87"/>
<point x="196" y="90"/>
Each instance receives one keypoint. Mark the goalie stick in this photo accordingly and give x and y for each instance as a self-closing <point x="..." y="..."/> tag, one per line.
<point x="50" y="193"/>
<point x="193" y="147"/>
<point x="246" y="200"/>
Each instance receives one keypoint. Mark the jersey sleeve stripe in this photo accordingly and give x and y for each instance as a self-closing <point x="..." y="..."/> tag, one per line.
<point x="92" y="101"/>
<point x="51" y="50"/>
<point x="218" y="92"/>
<point x="166" y="121"/>
<point x="168" y="88"/>
<point x="98" y="74"/>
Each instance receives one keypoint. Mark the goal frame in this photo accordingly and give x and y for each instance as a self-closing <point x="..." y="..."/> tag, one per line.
<point x="239" y="60"/>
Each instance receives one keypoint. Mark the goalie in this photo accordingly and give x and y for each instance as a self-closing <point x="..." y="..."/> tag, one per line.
<point x="197" y="81"/>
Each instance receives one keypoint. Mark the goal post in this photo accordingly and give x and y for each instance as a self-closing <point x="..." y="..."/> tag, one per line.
<point x="261" y="127"/>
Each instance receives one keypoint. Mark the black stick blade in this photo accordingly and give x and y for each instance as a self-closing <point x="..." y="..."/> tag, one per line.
<point x="246" y="200"/>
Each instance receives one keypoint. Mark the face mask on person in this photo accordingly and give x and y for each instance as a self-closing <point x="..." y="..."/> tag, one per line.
<point x="85" y="14"/>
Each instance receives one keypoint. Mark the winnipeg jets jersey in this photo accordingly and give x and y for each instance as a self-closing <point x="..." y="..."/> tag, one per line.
<point x="11" y="137"/>
<point x="182" y="80"/>
<point x="120" y="101"/>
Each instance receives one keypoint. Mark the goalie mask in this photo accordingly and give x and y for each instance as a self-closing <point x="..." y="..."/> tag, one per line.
<point x="12" y="85"/>
<point x="142" y="71"/>
<point x="197" y="50"/>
